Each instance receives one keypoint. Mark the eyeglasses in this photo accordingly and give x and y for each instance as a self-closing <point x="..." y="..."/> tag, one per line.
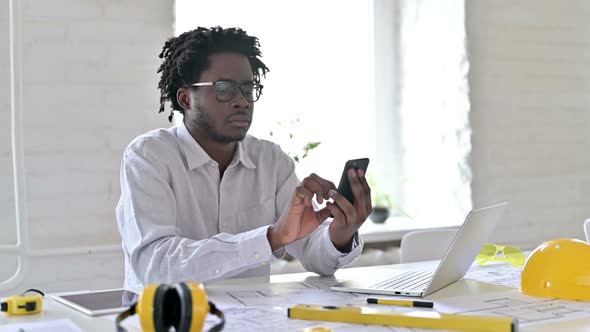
<point x="492" y="252"/>
<point x="227" y="90"/>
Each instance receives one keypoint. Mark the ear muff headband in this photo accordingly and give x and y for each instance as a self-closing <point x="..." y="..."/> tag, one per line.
<point x="122" y="316"/>
<point x="184" y="306"/>
<point x="219" y="326"/>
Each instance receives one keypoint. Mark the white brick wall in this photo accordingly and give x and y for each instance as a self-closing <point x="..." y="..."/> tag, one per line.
<point x="530" y="114"/>
<point x="89" y="87"/>
<point x="89" y="72"/>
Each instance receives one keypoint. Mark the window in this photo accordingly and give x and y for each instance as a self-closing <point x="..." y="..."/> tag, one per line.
<point x="319" y="73"/>
<point x="380" y="79"/>
<point x="434" y="109"/>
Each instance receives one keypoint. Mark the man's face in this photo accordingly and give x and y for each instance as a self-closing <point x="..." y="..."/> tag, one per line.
<point x="221" y="121"/>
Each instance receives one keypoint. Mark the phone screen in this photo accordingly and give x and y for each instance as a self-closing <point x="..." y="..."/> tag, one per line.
<point x="344" y="186"/>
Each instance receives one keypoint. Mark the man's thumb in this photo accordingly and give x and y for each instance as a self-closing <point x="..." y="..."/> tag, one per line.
<point x="323" y="214"/>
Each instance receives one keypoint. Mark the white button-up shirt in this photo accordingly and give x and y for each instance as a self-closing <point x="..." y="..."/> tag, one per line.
<point x="179" y="221"/>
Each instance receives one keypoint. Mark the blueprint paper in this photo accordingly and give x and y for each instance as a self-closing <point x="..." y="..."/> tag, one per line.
<point x="275" y="319"/>
<point x="62" y="325"/>
<point x="273" y="300"/>
<point x="503" y="275"/>
<point x="529" y="310"/>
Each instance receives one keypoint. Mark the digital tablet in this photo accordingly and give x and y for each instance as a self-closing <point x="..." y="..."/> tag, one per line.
<point x="95" y="303"/>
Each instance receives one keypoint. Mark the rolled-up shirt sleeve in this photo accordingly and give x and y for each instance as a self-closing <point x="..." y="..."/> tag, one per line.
<point x="316" y="252"/>
<point x="155" y="248"/>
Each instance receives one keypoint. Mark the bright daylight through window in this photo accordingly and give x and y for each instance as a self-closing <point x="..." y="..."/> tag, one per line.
<point x="318" y="86"/>
<point x="354" y="76"/>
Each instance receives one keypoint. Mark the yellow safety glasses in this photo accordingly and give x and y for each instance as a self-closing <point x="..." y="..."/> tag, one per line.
<point x="492" y="252"/>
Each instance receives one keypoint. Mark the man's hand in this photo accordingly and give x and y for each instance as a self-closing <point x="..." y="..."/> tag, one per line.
<point x="348" y="218"/>
<point x="299" y="218"/>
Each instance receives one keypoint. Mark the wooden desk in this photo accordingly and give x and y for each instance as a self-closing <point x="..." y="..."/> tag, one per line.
<point x="55" y="310"/>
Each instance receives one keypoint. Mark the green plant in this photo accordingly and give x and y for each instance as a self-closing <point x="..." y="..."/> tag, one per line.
<point x="381" y="198"/>
<point x="291" y="145"/>
<point x="378" y="197"/>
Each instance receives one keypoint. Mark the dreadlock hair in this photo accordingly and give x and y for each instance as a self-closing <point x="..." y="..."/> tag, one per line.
<point x="186" y="57"/>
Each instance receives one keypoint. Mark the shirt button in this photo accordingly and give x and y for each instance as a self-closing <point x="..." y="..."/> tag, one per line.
<point x="217" y="271"/>
<point x="256" y="255"/>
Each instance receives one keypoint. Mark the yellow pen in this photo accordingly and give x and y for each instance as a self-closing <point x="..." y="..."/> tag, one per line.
<point x="403" y="303"/>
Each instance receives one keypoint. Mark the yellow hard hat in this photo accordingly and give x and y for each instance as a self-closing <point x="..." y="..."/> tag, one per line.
<point x="558" y="269"/>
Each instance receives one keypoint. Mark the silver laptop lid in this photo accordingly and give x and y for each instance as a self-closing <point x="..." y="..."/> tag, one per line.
<point x="473" y="234"/>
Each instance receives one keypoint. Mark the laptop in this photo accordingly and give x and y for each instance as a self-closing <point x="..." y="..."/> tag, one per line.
<point x="407" y="281"/>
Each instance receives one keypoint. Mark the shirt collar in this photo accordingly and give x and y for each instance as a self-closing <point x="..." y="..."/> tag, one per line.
<point x="197" y="157"/>
<point x="243" y="156"/>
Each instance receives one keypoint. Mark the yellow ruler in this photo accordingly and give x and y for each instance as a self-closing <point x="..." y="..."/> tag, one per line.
<point x="418" y="319"/>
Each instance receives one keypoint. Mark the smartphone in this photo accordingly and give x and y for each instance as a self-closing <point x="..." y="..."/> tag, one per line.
<point x="344" y="185"/>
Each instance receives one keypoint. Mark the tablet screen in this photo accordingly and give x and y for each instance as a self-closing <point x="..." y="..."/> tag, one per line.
<point x="95" y="303"/>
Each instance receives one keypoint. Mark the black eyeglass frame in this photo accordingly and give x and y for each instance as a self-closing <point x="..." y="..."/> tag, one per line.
<point x="240" y="86"/>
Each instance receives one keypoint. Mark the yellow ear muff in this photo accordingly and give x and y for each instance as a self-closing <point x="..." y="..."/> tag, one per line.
<point x="145" y="308"/>
<point x="183" y="306"/>
<point x="167" y="309"/>
<point x="200" y="304"/>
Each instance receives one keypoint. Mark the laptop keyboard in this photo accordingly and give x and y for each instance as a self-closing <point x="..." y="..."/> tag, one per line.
<point x="408" y="281"/>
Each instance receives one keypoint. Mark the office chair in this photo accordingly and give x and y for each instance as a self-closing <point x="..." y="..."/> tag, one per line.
<point x="587" y="230"/>
<point x="425" y="245"/>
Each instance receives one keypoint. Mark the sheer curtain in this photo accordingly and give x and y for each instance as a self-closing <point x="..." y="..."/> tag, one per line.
<point x="434" y="108"/>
